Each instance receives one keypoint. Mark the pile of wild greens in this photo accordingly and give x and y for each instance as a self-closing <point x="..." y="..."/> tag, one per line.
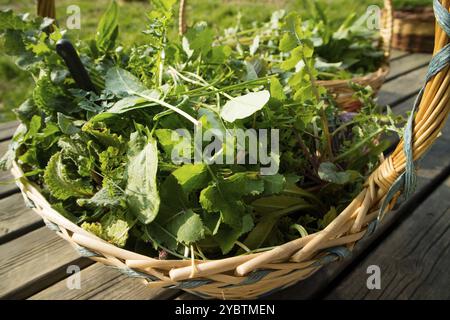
<point x="104" y="158"/>
<point x="349" y="50"/>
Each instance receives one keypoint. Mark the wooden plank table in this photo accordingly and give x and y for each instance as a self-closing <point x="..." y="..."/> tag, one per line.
<point x="411" y="248"/>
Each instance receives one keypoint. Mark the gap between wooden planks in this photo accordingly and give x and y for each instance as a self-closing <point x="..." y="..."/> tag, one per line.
<point x="96" y="271"/>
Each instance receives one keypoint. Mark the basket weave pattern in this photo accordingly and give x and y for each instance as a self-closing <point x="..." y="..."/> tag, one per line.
<point x="413" y="30"/>
<point x="258" y="274"/>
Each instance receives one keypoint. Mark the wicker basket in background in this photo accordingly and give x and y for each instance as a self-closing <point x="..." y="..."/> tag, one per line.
<point x="414" y="30"/>
<point x="254" y="275"/>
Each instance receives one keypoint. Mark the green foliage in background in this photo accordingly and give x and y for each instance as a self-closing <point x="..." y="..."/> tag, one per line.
<point x="15" y="84"/>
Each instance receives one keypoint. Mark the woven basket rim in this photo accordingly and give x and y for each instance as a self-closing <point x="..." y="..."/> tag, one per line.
<point x="381" y="72"/>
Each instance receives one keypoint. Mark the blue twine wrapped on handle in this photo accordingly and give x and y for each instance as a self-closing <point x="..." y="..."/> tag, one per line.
<point x="408" y="180"/>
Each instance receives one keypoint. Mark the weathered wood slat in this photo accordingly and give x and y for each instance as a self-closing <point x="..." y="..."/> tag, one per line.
<point x="406" y="64"/>
<point x="7" y="184"/>
<point x="7" y="130"/>
<point x="397" y="54"/>
<point x="413" y="260"/>
<point x="16" y="219"/>
<point x="98" y="282"/>
<point x="33" y="262"/>
<point x="401" y="89"/>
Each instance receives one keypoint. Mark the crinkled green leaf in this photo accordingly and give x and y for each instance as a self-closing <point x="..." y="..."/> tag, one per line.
<point x="57" y="177"/>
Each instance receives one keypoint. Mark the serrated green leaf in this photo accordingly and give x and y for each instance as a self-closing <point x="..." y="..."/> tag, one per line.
<point x="188" y="227"/>
<point x="61" y="185"/>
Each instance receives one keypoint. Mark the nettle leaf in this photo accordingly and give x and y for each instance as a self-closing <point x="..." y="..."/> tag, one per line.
<point x="106" y="197"/>
<point x="103" y="134"/>
<point x="141" y="190"/>
<point x="188" y="227"/>
<point x="244" y="106"/>
<point x="120" y="81"/>
<point x="330" y="173"/>
<point x="112" y="227"/>
<point x="51" y="98"/>
<point x="108" y="28"/>
<point x="57" y="177"/>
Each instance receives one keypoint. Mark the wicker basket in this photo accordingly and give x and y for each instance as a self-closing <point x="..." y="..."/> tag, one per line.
<point x="341" y="90"/>
<point x="414" y="30"/>
<point x="255" y="275"/>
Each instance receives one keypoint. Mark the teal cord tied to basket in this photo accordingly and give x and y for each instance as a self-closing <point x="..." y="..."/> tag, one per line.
<point x="408" y="180"/>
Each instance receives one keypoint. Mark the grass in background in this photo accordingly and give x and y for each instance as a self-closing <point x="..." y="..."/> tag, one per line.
<point x="15" y="85"/>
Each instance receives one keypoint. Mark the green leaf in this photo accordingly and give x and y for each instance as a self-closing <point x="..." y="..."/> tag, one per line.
<point x="274" y="184"/>
<point x="8" y="20"/>
<point x="276" y="89"/>
<point x="244" y="106"/>
<point x="108" y="28"/>
<point x="112" y="227"/>
<point x="106" y="197"/>
<point x="227" y="237"/>
<point x="66" y="124"/>
<point x="231" y="211"/>
<point x="141" y="190"/>
<point x="188" y="227"/>
<point x="57" y="177"/>
<point x="200" y="39"/>
<point x="330" y="173"/>
<point x="288" y="42"/>
<point x="192" y="177"/>
<point x="327" y="218"/>
<point x="130" y="103"/>
<point x="226" y="197"/>
<point x="294" y="59"/>
<point x="120" y="81"/>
